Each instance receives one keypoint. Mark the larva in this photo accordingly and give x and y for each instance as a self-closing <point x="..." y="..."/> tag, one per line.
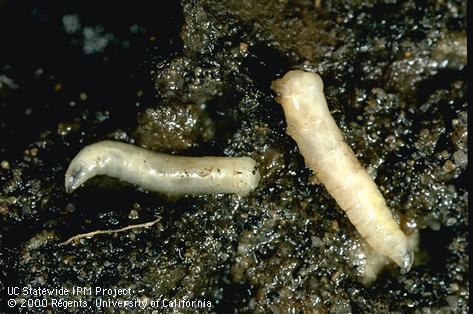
<point x="321" y="143"/>
<point x="174" y="175"/>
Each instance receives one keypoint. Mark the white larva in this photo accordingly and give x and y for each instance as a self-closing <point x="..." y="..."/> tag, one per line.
<point x="321" y="143"/>
<point x="169" y="174"/>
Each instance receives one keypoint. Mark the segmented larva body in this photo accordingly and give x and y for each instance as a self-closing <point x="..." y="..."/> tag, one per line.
<point x="174" y="175"/>
<point x="321" y="143"/>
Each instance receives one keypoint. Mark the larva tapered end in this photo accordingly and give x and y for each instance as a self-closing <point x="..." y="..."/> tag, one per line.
<point x="407" y="261"/>
<point x="82" y="168"/>
<point x="412" y="246"/>
<point x="73" y="178"/>
<point x="89" y="162"/>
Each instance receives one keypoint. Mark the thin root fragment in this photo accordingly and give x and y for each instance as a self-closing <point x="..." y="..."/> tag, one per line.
<point x="109" y="231"/>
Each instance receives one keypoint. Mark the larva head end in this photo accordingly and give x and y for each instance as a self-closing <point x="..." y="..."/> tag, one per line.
<point x="89" y="162"/>
<point x="70" y="183"/>
<point x="75" y="176"/>
<point x="407" y="261"/>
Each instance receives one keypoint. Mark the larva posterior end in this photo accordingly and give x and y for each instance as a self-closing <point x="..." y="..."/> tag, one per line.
<point x="297" y="82"/>
<point x="287" y="84"/>
<point x="278" y="87"/>
<point x="252" y="177"/>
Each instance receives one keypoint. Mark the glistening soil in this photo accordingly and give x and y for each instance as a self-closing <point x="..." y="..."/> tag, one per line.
<point x="194" y="79"/>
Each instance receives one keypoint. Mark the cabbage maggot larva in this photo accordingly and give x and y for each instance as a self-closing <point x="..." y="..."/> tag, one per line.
<point x="321" y="143"/>
<point x="169" y="174"/>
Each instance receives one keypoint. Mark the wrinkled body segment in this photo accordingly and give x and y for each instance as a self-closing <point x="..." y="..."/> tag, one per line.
<point x="321" y="142"/>
<point x="169" y="174"/>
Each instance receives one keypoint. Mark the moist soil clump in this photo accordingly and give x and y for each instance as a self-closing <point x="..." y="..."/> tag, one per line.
<point x="194" y="79"/>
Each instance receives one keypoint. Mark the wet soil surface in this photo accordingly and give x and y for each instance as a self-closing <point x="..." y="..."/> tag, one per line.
<point x="193" y="79"/>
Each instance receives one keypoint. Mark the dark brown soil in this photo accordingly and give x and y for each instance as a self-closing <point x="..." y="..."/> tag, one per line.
<point x="194" y="80"/>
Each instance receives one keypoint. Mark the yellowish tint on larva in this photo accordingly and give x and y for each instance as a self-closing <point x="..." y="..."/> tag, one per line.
<point x="321" y="142"/>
